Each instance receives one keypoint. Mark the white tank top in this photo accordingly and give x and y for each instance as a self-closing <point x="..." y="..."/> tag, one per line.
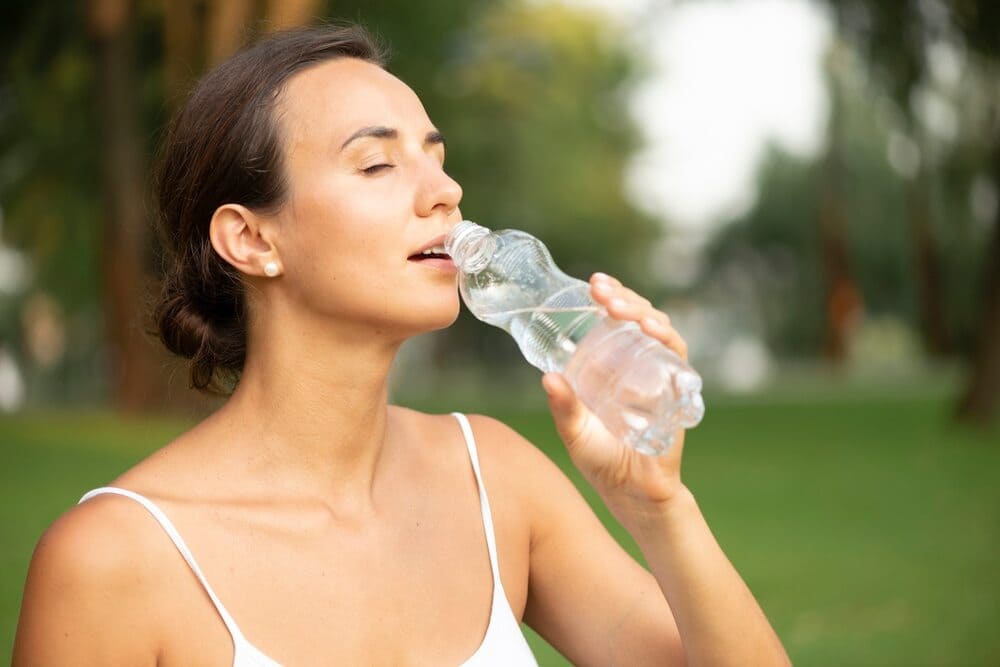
<point x="503" y="645"/>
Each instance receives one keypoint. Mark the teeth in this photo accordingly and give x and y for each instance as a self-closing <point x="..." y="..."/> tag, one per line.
<point x="437" y="250"/>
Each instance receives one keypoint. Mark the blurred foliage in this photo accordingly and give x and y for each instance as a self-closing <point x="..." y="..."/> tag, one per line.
<point x="777" y="243"/>
<point x="884" y="82"/>
<point x="50" y="176"/>
<point x="49" y="168"/>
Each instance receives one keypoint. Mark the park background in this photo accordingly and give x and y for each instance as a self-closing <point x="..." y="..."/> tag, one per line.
<point x="809" y="189"/>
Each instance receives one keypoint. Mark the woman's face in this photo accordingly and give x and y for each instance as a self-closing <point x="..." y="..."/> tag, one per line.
<point x="367" y="190"/>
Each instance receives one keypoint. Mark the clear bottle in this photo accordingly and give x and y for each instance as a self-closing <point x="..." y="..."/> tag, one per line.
<point x="639" y="388"/>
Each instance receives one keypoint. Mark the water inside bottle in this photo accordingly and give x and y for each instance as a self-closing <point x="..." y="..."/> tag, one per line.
<point x="547" y="335"/>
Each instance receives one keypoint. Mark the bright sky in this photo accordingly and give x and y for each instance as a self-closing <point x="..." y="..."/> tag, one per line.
<point x="728" y="76"/>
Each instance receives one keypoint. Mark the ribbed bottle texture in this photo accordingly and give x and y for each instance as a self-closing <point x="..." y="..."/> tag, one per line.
<point x="640" y="390"/>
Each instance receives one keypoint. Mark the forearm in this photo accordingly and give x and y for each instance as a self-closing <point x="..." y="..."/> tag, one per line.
<point x="717" y="616"/>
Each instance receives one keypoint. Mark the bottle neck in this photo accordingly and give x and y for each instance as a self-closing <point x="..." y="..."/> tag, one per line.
<point x="470" y="246"/>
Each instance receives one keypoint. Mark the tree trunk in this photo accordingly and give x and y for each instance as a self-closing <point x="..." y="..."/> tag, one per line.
<point x="180" y="37"/>
<point x="843" y="298"/>
<point x="285" y="14"/>
<point x="930" y="287"/>
<point x="228" y="28"/>
<point x="134" y="381"/>
<point x="979" y="402"/>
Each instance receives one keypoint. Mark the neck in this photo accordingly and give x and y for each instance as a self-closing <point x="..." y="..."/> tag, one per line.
<point x="311" y="409"/>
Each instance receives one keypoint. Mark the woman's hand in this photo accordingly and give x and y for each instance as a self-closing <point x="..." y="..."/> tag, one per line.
<point x="627" y="480"/>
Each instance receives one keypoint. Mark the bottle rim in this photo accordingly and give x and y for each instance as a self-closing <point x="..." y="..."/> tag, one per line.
<point x="461" y="244"/>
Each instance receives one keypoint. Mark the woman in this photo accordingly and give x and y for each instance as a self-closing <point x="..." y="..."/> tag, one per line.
<point x="319" y="524"/>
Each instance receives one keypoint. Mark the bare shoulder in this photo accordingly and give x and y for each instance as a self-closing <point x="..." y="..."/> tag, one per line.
<point x="497" y="444"/>
<point x="501" y="443"/>
<point x="107" y="536"/>
<point x="513" y="467"/>
<point x="524" y="469"/>
<point x="91" y="577"/>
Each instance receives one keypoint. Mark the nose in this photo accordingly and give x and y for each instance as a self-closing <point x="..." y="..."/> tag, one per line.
<point x="439" y="193"/>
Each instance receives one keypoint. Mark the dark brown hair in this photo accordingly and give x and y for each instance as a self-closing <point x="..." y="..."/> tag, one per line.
<point x="223" y="147"/>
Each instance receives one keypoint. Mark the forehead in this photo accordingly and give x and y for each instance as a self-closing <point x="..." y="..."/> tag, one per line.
<point x="335" y="98"/>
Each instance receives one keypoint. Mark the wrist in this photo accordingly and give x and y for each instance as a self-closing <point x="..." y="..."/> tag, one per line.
<point x="641" y="516"/>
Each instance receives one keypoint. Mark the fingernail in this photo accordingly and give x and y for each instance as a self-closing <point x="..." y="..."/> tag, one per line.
<point x="617" y="303"/>
<point x="652" y="323"/>
<point x="602" y="288"/>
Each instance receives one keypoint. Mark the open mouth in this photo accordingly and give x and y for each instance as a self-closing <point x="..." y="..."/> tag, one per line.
<point x="440" y="261"/>
<point x="436" y="251"/>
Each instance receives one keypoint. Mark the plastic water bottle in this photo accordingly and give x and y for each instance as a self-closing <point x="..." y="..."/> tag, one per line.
<point x="639" y="388"/>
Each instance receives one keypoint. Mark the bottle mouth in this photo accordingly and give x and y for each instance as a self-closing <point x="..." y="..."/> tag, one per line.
<point x="470" y="246"/>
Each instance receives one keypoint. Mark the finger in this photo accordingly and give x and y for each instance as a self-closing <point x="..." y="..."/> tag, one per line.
<point x="604" y="292"/>
<point x="673" y="340"/>
<point x="625" y="304"/>
<point x="606" y="288"/>
<point x="622" y="306"/>
<point x="568" y="411"/>
<point x="605" y="284"/>
<point x="635" y="298"/>
<point x="616" y="285"/>
<point x="620" y="309"/>
<point x="605" y="278"/>
<point x="667" y="335"/>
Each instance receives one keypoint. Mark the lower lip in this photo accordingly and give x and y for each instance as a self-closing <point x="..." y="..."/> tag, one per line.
<point x="440" y="264"/>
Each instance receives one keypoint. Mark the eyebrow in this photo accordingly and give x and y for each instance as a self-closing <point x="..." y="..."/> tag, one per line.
<point x="382" y="132"/>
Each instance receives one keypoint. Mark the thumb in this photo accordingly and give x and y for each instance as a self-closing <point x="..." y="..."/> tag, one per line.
<point x="568" y="411"/>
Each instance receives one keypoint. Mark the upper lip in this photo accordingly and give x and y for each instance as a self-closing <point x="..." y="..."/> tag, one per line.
<point x="437" y="240"/>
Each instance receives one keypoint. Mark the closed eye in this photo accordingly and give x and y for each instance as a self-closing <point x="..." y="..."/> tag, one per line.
<point x="374" y="169"/>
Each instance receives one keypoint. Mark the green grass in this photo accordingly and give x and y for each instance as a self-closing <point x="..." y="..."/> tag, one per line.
<point x="867" y="527"/>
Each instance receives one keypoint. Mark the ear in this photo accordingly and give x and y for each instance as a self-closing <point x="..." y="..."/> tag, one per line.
<point x="235" y="232"/>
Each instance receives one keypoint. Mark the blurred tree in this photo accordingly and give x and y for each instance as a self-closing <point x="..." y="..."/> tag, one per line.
<point x="770" y="259"/>
<point x="48" y="174"/>
<point x="843" y="299"/>
<point x="775" y="256"/>
<point x="896" y="40"/>
<point x="979" y="23"/>
<point x="125" y="227"/>
<point x="181" y="39"/>
<point x="229" y="22"/>
<point x="893" y="37"/>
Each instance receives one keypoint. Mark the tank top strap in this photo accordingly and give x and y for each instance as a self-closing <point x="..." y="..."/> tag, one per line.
<point x="182" y="547"/>
<point x="484" y="501"/>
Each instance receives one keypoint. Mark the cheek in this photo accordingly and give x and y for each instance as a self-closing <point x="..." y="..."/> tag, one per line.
<point x="340" y="197"/>
<point x="349" y="261"/>
<point x="339" y="228"/>
<point x="344" y="265"/>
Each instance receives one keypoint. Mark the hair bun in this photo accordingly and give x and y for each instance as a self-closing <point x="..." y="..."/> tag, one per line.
<point x="216" y="350"/>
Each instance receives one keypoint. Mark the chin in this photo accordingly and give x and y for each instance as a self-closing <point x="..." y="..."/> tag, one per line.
<point x="432" y="318"/>
<point x="446" y="320"/>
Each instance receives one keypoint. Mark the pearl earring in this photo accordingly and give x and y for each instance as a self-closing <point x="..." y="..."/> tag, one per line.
<point x="271" y="269"/>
